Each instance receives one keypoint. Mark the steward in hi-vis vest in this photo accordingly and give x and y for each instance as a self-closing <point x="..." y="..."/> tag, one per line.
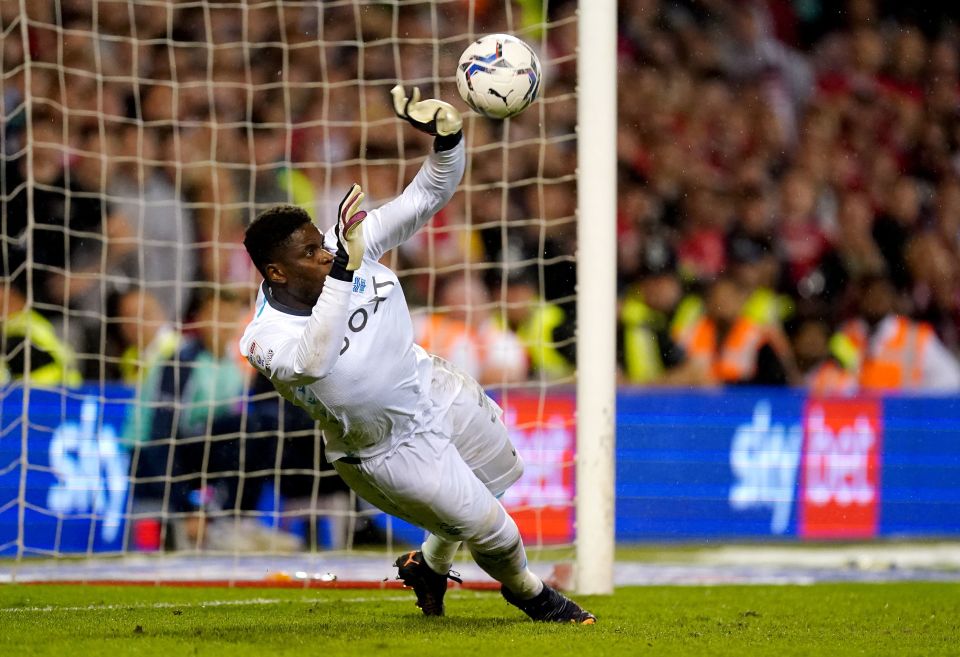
<point x="648" y="353"/>
<point x="32" y="351"/>
<point x="894" y="352"/>
<point x="734" y="347"/>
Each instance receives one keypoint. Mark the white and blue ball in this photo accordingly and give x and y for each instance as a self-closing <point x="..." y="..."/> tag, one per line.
<point x="498" y="76"/>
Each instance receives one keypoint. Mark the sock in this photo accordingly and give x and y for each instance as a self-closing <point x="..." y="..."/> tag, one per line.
<point x="501" y="555"/>
<point x="439" y="553"/>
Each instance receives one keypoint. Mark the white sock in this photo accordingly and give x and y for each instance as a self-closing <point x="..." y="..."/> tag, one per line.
<point x="501" y="555"/>
<point x="509" y="567"/>
<point x="525" y="585"/>
<point x="439" y="553"/>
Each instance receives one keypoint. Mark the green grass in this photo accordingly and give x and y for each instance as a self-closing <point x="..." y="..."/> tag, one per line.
<point x="827" y="619"/>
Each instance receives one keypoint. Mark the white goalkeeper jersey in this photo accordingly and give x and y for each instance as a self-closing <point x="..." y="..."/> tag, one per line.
<point x="376" y="388"/>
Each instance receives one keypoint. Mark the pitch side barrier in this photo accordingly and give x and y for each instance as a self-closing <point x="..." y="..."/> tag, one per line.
<point x="773" y="463"/>
<point x="742" y="463"/>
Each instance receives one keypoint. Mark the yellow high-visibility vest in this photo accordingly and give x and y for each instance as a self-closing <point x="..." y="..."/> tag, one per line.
<point x="641" y="352"/>
<point x="765" y="306"/>
<point x="133" y="362"/>
<point x="38" y="334"/>
<point x="536" y="334"/>
<point x="689" y="311"/>
<point x="298" y="186"/>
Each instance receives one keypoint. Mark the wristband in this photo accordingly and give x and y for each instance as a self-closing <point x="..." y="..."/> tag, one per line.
<point x="339" y="269"/>
<point x="447" y="142"/>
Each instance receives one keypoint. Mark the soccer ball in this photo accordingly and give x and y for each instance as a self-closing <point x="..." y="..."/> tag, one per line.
<point x="498" y="76"/>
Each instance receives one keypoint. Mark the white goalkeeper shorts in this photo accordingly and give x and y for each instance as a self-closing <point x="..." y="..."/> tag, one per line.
<point x="474" y="423"/>
<point x="445" y="479"/>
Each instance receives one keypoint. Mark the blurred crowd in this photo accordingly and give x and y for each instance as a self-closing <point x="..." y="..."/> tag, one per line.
<point x="789" y="194"/>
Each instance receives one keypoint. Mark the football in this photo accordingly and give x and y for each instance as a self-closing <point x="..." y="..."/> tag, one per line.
<point x="498" y="76"/>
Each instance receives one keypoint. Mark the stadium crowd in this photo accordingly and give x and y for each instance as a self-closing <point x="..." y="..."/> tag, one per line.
<point x="788" y="193"/>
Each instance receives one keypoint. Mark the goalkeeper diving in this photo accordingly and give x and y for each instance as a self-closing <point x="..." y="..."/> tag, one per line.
<point x="406" y="430"/>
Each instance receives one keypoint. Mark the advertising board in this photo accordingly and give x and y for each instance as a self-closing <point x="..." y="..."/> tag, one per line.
<point x="64" y="469"/>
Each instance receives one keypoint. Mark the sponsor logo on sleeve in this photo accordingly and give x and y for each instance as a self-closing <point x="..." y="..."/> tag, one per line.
<point x="258" y="357"/>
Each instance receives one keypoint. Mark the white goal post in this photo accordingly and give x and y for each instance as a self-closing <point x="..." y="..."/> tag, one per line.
<point x="596" y="293"/>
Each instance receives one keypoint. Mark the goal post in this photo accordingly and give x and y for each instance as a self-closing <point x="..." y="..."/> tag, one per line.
<point x="596" y="293"/>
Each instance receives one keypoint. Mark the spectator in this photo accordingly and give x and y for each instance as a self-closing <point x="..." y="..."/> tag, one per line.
<point x="269" y="178"/>
<point x="155" y="216"/>
<point x="858" y="252"/>
<point x="821" y="367"/>
<point x="892" y="229"/>
<point x="894" y="352"/>
<point x="544" y="329"/>
<point x="733" y="347"/>
<point x="754" y="51"/>
<point x="800" y="234"/>
<point x="199" y="416"/>
<point x="64" y="216"/>
<point x="700" y="250"/>
<point x="753" y="263"/>
<point x="29" y="344"/>
<point x="465" y="332"/>
<point x="647" y="351"/>
<point x="146" y="341"/>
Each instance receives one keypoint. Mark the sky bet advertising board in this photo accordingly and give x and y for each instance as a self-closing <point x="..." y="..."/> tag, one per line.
<point x="691" y="465"/>
<point x="754" y="463"/>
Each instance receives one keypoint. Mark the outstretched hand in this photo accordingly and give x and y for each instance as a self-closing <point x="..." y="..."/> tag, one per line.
<point x="432" y="116"/>
<point x="349" y="230"/>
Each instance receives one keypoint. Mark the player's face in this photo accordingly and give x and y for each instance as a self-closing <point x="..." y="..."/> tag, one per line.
<point x="304" y="264"/>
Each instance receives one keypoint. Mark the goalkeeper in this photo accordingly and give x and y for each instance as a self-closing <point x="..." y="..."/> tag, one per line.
<point x="406" y="430"/>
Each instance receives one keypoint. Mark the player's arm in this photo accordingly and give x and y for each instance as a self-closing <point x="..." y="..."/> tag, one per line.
<point x="435" y="183"/>
<point x="311" y="355"/>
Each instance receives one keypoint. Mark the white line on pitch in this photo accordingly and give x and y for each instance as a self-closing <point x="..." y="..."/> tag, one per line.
<point x="208" y="603"/>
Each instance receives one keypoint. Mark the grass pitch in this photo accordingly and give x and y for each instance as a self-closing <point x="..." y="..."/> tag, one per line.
<point x="823" y="619"/>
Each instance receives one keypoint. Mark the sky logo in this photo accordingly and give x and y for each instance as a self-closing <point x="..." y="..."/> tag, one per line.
<point x="91" y="471"/>
<point x="764" y="458"/>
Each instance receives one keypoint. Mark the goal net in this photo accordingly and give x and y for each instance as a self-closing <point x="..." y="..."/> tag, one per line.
<point x="139" y="139"/>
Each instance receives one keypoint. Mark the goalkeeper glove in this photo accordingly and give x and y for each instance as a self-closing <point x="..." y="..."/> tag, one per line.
<point x="349" y="231"/>
<point x="432" y="116"/>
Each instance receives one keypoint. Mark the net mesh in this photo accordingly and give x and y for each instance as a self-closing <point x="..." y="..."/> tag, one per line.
<point x="139" y="139"/>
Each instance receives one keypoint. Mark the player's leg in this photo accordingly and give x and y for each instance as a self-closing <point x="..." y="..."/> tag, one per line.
<point x="439" y="553"/>
<point x="476" y="429"/>
<point x="402" y="483"/>
<point x="427" y="482"/>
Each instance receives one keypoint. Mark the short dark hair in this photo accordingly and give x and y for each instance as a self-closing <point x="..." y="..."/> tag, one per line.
<point x="270" y="230"/>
